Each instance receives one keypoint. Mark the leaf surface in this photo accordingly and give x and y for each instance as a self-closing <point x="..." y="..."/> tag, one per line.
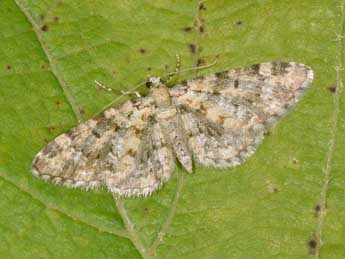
<point x="286" y="201"/>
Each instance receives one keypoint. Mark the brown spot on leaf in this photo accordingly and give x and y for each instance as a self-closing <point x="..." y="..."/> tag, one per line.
<point x="332" y="89"/>
<point x="200" y="62"/>
<point x="142" y="51"/>
<point x="239" y="22"/>
<point x="58" y="102"/>
<point x="201" y="29"/>
<point x="45" y="28"/>
<point x="8" y="67"/>
<point x="187" y="29"/>
<point x="192" y="48"/>
<point x="148" y="69"/>
<point x="56" y="19"/>
<point x="317" y="210"/>
<point x="312" y="244"/>
<point x="202" y="7"/>
<point x="82" y="111"/>
<point x="42" y="17"/>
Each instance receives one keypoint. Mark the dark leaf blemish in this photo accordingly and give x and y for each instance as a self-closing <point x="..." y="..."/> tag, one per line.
<point x="192" y="48"/>
<point x="187" y="29"/>
<point x="142" y="51"/>
<point x="201" y="29"/>
<point x="45" y="27"/>
<point x="200" y="62"/>
<point x="202" y="7"/>
<point x="312" y="246"/>
<point x="312" y="243"/>
<point x="8" y="67"/>
<point x="332" y="89"/>
<point x="317" y="210"/>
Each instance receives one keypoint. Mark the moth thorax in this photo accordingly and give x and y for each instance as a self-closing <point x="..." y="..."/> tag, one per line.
<point x="161" y="96"/>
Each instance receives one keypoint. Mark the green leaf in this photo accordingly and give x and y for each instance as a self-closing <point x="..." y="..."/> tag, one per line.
<point x="286" y="201"/>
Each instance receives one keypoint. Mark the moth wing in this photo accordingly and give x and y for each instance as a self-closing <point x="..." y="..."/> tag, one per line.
<point x="226" y="114"/>
<point x="122" y="148"/>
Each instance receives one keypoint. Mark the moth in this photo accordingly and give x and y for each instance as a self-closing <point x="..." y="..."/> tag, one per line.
<point x="216" y="121"/>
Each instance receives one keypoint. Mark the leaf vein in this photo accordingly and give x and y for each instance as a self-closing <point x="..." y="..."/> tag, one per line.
<point x="331" y="147"/>
<point x="52" y="63"/>
<point x="119" y="233"/>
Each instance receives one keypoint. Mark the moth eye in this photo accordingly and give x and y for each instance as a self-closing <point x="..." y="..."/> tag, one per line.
<point x="148" y="84"/>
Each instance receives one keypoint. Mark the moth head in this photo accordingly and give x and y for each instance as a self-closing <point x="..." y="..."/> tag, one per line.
<point x="153" y="82"/>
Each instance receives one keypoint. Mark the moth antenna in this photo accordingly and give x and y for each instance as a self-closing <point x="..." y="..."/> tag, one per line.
<point x="123" y="93"/>
<point x="192" y="68"/>
<point x="177" y="69"/>
<point x="104" y="87"/>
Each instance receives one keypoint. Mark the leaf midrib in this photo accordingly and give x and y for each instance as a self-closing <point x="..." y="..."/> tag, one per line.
<point x="328" y="167"/>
